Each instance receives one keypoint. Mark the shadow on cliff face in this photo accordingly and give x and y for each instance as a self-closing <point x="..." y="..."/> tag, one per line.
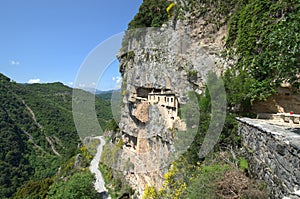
<point x="295" y="130"/>
<point x="125" y="196"/>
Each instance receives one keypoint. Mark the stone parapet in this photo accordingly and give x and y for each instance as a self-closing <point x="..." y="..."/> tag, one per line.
<point x="273" y="152"/>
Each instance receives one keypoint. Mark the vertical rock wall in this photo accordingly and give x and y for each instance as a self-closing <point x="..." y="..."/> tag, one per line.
<point x="176" y="57"/>
<point x="159" y="59"/>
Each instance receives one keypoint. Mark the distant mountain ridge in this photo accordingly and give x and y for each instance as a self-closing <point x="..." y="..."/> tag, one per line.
<point x="108" y="91"/>
<point x="107" y="95"/>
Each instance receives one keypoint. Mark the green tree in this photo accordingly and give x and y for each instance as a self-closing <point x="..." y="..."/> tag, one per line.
<point x="152" y="13"/>
<point x="80" y="185"/>
<point x="264" y="37"/>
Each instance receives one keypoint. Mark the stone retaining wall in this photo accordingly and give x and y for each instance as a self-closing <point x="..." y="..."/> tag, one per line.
<point x="273" y="152"/>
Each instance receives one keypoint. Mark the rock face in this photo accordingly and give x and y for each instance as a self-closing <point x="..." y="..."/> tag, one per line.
<point x="284" y="101"/>
<point x="273" y="152"/>
<point x="159" y="67"/>
<point x="167" y="62"/>
<point x="141" y="112"/>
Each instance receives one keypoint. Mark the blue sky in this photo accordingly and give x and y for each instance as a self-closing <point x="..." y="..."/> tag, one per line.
<point x="48" y="40"/>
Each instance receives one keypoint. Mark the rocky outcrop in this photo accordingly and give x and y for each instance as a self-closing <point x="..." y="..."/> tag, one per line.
<point x="78" y="161"/>
<point x="284" y="101"/>
<point x="141" y="112"/>
<point x="153" y="60"/>
<point x="176" y="59"/>
<point x="273" y="151"/>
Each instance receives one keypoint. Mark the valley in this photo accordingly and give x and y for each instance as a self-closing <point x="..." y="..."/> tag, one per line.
<point x="39" y="140"/>
<point x="208" y="108"/>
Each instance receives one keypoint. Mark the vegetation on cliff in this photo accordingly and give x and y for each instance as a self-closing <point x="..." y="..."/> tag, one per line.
<point x="152" y="13"/>
<point x="264" y="38"/>
<point x="191" y="177"/>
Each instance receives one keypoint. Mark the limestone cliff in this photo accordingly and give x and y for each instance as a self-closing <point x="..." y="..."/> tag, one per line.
<point x="159" y="67"/>
<point x="162" y="64"/>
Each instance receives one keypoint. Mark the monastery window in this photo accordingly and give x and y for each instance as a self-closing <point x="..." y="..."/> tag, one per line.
<point x="171" y="99"/>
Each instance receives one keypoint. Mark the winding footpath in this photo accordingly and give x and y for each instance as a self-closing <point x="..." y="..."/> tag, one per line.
<point x="94" y="168"/>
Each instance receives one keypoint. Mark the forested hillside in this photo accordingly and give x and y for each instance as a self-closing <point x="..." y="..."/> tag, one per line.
<point x="38" y="136"/>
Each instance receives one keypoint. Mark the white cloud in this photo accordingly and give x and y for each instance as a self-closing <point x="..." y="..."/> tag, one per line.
<point x="93" y="84"/>
<point x="70" y="83"/>
<point x="14" y="63"/>
<point x="81" y="85"/>
<point x="117" y="80"/>
<point x="33" y="81"/>
<point x="88" y="85"/>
